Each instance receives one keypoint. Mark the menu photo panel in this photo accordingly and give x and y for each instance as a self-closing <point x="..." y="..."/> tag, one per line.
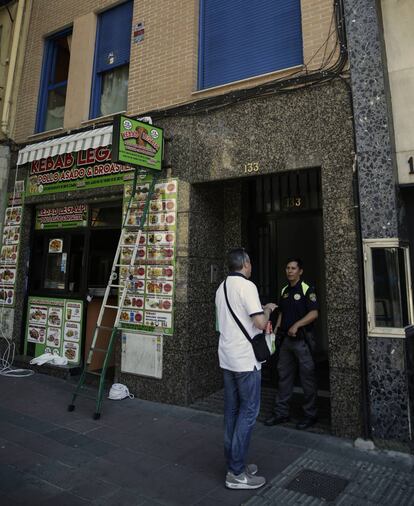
<point x="149" y="303"/>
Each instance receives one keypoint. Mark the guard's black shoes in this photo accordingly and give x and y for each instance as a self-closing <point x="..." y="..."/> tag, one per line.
<point x="306" y="423"/>
<point x="276" y="420"/>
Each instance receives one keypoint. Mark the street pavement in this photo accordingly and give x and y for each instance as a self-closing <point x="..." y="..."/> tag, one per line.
<point x="145" y="453"/>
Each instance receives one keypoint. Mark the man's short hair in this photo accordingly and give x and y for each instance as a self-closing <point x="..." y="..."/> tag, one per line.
<point x="236" y="258"/>
<point x="295" y="259"/>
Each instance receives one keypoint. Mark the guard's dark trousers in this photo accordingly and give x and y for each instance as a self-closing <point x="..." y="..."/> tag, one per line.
<point x="295" y="353"/>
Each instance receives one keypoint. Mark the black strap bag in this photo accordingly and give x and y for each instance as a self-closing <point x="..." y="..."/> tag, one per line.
<point x="260" y="348"/>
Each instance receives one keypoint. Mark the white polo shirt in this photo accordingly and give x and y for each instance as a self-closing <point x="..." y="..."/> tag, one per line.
<point x="235" y="352"/>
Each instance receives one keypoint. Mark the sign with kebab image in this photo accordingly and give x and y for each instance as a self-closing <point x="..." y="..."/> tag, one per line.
<point x="137" y="143"/>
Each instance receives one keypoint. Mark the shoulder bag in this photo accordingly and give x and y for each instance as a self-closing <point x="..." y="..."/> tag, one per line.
<point x="261" y="349"/>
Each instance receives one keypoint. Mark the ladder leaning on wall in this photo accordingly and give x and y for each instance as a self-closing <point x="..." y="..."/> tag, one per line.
<point x="102" y="331"/>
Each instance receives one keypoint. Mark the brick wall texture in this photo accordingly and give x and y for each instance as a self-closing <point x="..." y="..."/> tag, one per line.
<point x="163" y="68"/>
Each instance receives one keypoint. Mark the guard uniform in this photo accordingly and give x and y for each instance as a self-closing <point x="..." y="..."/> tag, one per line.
<point x="296" y="352"/>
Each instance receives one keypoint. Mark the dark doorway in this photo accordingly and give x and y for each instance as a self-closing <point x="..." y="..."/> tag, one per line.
<point x="283" y="218"/>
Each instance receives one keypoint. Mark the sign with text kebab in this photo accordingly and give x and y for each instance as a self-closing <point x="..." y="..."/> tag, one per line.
<point x="87" y="169"/>
<point x="137" y="143"/>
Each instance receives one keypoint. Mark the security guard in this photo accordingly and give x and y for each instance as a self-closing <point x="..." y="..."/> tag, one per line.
<point x="298" y="310"/>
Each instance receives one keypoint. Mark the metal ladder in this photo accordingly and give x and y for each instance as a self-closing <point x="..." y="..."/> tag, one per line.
<point x="101" y="330"/>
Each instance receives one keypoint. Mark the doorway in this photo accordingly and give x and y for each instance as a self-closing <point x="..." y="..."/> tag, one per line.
<point x="282" y="219"/>
<point x="73" y="261"/>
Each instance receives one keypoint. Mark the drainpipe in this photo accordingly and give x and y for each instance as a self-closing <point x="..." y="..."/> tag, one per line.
<point x="12" y="68"/>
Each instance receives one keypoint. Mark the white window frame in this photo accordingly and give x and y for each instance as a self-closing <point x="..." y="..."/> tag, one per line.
<point x="369" y="245"/>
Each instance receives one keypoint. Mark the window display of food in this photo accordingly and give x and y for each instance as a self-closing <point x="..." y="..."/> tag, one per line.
<point x="55" y="316"/>
<point x="13" y="216"/>
<point x="55" y="323"/>
<point x="159" y="303"/>
<point x="8" y="254"/>
<point x="38" y="314"/>
<point x="151" y="289"/>
<point x="7" y="275"/>
<point x="53" y="337"/>
<point x="11" y="235"/>
<point x="71" y="352"/>
<point x="36" y="334"/>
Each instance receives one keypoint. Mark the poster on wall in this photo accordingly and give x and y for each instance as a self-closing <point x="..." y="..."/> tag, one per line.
<point x="55" y="326"/>
<point x="61" y="217"/>
<point x="82" y="170"/>
<point x="141" y="354"/>
<point x="149" y="304"/>
<point x="9" y="249"/>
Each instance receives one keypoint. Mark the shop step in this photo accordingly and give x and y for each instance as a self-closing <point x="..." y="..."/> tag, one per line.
<point x="111" y="307"/>
<point x="102" y="350"/>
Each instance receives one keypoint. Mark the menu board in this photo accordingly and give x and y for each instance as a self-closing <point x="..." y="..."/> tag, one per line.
<point x="55" y="326"/>
<point x="9" y="252"/>
<point x="149" y="302"/>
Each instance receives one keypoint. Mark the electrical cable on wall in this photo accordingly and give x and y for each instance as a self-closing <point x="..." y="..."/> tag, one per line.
<point x="7" y="356"/>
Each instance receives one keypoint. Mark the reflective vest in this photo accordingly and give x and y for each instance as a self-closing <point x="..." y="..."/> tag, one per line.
<point x="303" y="285"/>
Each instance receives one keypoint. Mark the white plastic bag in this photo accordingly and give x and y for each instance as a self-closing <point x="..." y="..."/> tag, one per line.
<point x="118" y="392"/>
<point x="49" y="358"/>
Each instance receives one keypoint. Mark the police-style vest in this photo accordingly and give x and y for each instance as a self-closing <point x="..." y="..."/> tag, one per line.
<point x="303" y="285"/>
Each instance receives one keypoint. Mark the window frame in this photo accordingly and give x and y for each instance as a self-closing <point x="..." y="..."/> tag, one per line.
<point x="96" y="88"/>
<point x="388" y="243"/>
<point x="48" y="67"/>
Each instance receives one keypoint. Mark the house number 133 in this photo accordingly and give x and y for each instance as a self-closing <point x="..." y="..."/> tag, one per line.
<point x="251" y="167"/>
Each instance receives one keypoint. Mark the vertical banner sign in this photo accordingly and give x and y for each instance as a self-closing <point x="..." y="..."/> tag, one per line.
<point x="137" y="143"/>
<point x="149" y="302"/>
<point x="9" y="253"/>
<point x="55" y="326"/>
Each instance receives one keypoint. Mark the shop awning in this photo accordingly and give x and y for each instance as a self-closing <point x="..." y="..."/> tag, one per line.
<point x="67" y="144"/>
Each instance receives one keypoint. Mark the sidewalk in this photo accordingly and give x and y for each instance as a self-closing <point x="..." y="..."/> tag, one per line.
<point x="144" y="453"/>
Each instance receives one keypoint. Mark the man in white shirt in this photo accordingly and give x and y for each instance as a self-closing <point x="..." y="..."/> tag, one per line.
<point x="241" y="370"/>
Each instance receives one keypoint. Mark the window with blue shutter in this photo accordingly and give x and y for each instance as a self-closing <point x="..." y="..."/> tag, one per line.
<point x="245" y="38"/>
<point x="111" y="67"/>
<point x="53" y="82"/>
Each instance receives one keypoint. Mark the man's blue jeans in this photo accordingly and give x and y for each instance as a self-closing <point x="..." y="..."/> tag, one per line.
<point x="241" y="407"/>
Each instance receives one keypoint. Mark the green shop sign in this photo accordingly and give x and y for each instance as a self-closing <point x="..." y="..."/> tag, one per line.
<point x="83" y="170"/>
<point x="137" y="143"/>
<point x="61" y="217"/>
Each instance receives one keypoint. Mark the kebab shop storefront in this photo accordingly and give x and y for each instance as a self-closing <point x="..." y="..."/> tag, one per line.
<point x="74" y="204"/>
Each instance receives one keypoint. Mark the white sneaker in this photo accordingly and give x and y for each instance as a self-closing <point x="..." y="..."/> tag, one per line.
<point x="244" y="481"/>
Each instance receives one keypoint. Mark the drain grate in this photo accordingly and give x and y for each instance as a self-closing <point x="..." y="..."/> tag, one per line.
<point x="320" y="485"/>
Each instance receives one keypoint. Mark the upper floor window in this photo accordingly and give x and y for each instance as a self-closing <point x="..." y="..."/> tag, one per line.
<point x="241" y="39"/>
<point x="111" y="68"/>
<point x="54" y="79"/>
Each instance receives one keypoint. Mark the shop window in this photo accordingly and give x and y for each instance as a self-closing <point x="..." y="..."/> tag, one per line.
<point x="106" y="217"/>
<point x="111" y="67"/>
<point x="388" y="287"/>
<point x="241" y="39"/>
<point x="55" y="71"/>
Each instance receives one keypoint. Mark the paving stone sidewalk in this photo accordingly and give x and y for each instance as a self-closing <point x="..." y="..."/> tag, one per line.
<point x="144" y="453"/>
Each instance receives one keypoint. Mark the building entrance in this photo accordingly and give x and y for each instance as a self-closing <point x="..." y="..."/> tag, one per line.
<point x="283" y="218"/>
<point x="69" y="269"/>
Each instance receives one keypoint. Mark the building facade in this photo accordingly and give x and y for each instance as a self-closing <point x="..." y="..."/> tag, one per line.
<point x="256" y="108"/>
<point x="14" y="20"/>
<point x="381" y="62"/>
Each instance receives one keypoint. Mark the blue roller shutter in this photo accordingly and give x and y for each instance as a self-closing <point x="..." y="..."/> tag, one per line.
<point x="246" y="38"/>
<point x="114" y="40"/>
